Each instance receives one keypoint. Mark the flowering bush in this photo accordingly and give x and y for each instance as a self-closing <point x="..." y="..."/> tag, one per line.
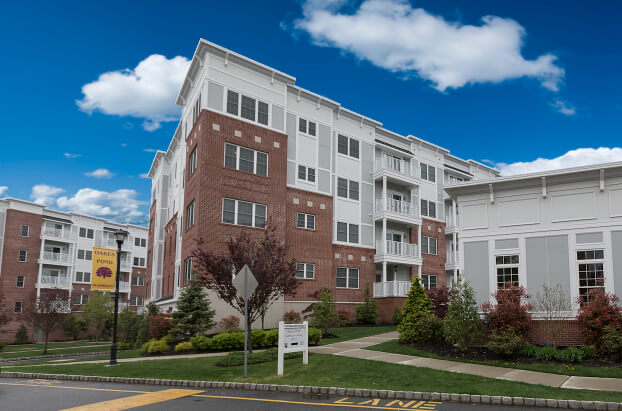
<point x="440" y="300"/>
<point x="510" y="311"/>
<point x="230" y="324"/>
<point x="601" y="311"/>
<point x="292" y="317"/>
<point x="159" y="326"/>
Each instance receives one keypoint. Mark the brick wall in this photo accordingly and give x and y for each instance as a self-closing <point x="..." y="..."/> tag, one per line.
<point x="435" y="264"/>
<point x="168" y="269"/>
<point x="150" y="240"/>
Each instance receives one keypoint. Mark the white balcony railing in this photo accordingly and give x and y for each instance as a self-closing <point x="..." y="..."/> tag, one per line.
<point x="126" y="265"/>
<point x="385" y="162"/>
<point x="453" y="258"/>
<point x="450" y="222"/>
<point x="48" y="281"/>
<point x="111" y="243"/>
<point x="391" y="289"/>
<point x="61" y="234"/>
<point x="397" y="248"/>
<point x="51" y="257"/>
<point x="124" y="286"/>
<point x="398" y="207"/>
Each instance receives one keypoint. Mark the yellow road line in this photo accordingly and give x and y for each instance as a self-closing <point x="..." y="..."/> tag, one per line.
<point x="135" y="400"/>
<point x="72" y="388"/>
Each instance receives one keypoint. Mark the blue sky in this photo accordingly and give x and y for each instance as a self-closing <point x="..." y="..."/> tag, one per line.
<point x="540" y="80"/>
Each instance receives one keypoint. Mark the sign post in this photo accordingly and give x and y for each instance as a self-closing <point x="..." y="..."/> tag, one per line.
<point x="245" y="284"/>
<point x="293" y="338"/>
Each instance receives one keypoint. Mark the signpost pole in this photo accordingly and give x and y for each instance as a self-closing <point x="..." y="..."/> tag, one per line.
<point x="305" y="353"/>
<point x="281" y="354"/>
<point x="245" y="274"/>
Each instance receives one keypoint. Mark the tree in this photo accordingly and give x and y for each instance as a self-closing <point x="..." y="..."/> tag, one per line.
<point x="417" y="305"/>
<point x="193" y="314"/>
<point x="129" y="325"/>
<point x="510" y="311"/>
<point x="553" y="305"/>
<point x="74" y="325"/>
<point x="367" y="313"/>
<point x="98" y="311"/>
<point x="324" y="315"/>
<point x="21" y="336"/>
<point x="47" y="313"/>
<point x="439" y="297"/>
<point x="152" y="309"/>
<point x="5" y="312"/>
<point x="462" y="325"/>
<point x="267" y="259"/>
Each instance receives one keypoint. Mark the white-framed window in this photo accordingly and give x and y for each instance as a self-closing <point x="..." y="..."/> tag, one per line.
<point x="305" y="271"/>
<point x="591" y="267"/>
<point x="80" y="299"/>
<point x="84" y="232"/>
<point x="139" y="261"/>
<point x="428" y="245"/>
<point x="83" y="277"/>
<point x="306" y="173"/>
<point x="247" y="107"/>
<point x="25" y="230"/>
<point x="136" y="300"/>
<point x="428" y="208"/>
<point x="85" y="255"/>
<point x="306" y="221"/>
<point x="347" y="277"/>
<point x="20" y="281"/>
<point x="449" y="179"/>
<point x="246" y="159"/>
<point x="190" y="214"/>
<point x="428" y="173"/>
<point x="428" y="281"/>
<point x="138" y="281"/>
<point x="143" y="242"/>
<point x="347" y="188"/>
<point x="17" y="308"/>
<point x="347" y="232"/>
<point x="196" y="110"/>
<point x="307" y="127"/>
<point x="347" y="146"/>
<point x="23" y="256"/>
<point x="507" y="269"/>
<point x="243" y="213"/>
<point x="192" y="162"/>
<point x="188" y="269"/>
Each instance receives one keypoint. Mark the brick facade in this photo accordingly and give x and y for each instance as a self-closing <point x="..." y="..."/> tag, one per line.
<point x="435" y="264"/>
<point x="168" y="268"/>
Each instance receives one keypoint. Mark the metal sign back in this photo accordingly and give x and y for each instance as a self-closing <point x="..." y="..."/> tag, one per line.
<point x="238" y="281"/>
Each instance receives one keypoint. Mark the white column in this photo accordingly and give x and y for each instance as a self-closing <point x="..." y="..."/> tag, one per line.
<point x="419" y="271"/>
<point x="384" y="271"/>
<point x="384" y="195"/>
<point x="419" y="239"/>
<point x="384" y="236"/>
<point x="455" y="276"/>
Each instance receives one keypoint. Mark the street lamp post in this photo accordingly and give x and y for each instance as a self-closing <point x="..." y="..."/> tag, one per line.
<point x="120" y="236"/>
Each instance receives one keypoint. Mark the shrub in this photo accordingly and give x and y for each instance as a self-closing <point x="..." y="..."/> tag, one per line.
<point x="291" y="317"/>
<point x="170" y="338"/>
<point x="324" y="315"/>
<point x="430" y="329"/>
<point x="612" y="341"/>
<point x="21" y="337"/>
<point x="194" y="314"/>
<point x="344" y="318"/>
<point x="2" y="345"/>
<point x="237" y="358"/>
<point x="587" y="351"/>
<point x="157" y="347"/>
<point x="528" y="350"/>
<point x="602" y="311"/>
<point x="259" y="338"/>
<point x="228" y="341"/>
<point x="510" y="311"/>
<point x="571" y="355"/>
<point x="230" y="324"/>
<point x="417" y="305"/>
<point x="440" y="298"/>
<point x="124" y="346"/>
<point x="201" y="343"/>
<point x="129" y="325"/>
<point x="314" y="336"/>
<point x="367" y="313"/>
<point x="159" y="326"/>
<point x="462" y="325"/>
<point x="397" y="316"/>
<point x="272" y="337"/>
<point x="506" y="342"/>
<point x="184" y="346"/>
<point x="547" y="354"/>
<point x="74" y="325"/>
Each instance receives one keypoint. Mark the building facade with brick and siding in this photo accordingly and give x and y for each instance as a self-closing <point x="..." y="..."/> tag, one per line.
<point x="357" y="205"/>
<point x="43" y="250"/>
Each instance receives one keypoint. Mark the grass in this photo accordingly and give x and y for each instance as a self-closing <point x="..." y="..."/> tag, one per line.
<point x="57" y="346"/>
<point x="330" y="371"/>
<point x="563" y="369"/>
<point x="120" y="355"/>
<point x="354" y="332"/>
<point x="69" y="350"/>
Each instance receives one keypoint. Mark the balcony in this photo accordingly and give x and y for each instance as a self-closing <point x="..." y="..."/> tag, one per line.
<point x="57" y="234"/>
<point x="396" y="170"/>
<point x="453" y="260"/>
<point x="49" y="257"/>
<point x="48" y="281"/>
<point x="124" y="286"/>
<point x="126" y="265"/>
<point x="111" y="244"/>
<point x="391" y="289"/>
<point x="397" y="252"/>
<point x="399" y="211"/>
<point x="452" y="225"/>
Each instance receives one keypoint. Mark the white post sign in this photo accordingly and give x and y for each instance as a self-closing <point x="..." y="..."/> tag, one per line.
<point x="245" y="284"/>
<point x="293" y="338"/>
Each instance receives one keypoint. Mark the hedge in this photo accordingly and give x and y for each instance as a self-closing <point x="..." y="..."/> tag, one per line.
<point x="235" y="340"/>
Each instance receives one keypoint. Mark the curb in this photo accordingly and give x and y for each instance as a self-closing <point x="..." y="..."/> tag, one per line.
<point x="350" y="392"/>
<point x="42" y="357"/>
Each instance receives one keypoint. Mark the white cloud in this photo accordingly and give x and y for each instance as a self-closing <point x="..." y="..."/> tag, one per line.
<point x="144" y="175"/>
<point x="564" y="107"/>
<point x="395" y="36"/>
<point x="573" y="158"/>
<point x="120" y="205"/>
<point x="45" y="194"/>
<point x="100" y="173"/>
<point x="147" y="92"/>
<point x="69" y="155"/>
<point x="149" y="150"/>
<point x="3" y="189"/>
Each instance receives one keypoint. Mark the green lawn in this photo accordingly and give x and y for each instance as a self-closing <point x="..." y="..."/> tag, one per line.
<point x="351" y="333"/>
<point x="120" y="355"/>
<point x="57" y="346"/>
<point x="330" y="371"/>
<point x="563" y="369"/>
<point x="85" y="348"/>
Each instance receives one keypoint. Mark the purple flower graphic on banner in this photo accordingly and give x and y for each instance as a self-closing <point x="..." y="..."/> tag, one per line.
<point x="104" y="272"/>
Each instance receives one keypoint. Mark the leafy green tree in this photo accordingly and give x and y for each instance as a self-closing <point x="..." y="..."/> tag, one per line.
<point x="97" y="311"/>
<point x="367" y="313"/>
<point x="193" y="314"/>
<point x="324" y="315"/>
<point x="417" y="305"/>
<point x="47" y="313"/>
<point x="74" y="325"/>
<point x="462" y="325"/>
<point x="128" y="325"/>
<point x="21" y="337"/>
<point x="152" y="309"/>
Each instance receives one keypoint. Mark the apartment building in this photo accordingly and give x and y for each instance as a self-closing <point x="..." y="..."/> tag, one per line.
<point x="357" y="205"/>
<point x="43" y="250"/>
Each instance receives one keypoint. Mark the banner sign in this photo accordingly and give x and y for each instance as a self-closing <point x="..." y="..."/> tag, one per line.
<point x="104" y="269"/>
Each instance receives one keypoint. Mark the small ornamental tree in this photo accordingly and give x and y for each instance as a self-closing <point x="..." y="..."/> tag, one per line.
<point x="324" y="315"/>
<point x="47" y="313"/>
<point x="128" y="325"/>
<point x="98" y="310"/>
<point x="553" y="305"/>
<point x="367" y="313"/>
<point x="230" y="324"/>
<point x="417" y="306"/>
<point x="601" y="311"/>
<point x="439" y="297"/>
<point x="159" y="326"/>
<point x="510" y="311"/>
<point x="21" y="337"/>
<point x="267" y="258"/>
<point x="462" y="325"/>
<point x="193" y="315"/>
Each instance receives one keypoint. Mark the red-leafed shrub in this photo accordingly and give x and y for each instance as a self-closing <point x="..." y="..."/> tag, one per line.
<point x="440" y="299"/>
<point x="159" y="326"/>
<point x="345" y="318"/>
<point x="601" y="311"/>
<point x="292" y="317"/>
<point x="510" y="311"/>
<point x="230" y="324"/>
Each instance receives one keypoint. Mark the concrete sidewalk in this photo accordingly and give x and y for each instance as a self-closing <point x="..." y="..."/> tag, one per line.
<point x="355" y="349"/>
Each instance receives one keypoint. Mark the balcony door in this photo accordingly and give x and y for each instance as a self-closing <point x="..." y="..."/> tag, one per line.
<point x="394" y="202"/>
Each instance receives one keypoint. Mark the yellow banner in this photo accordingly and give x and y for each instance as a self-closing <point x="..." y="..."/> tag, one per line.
<point x="104" y="269"/>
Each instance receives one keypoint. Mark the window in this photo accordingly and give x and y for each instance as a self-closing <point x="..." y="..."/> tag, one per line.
<point x="20" y="281"/>
<point x="347" y="188"/>
<point x="306" y="173"/>
<point x="83" y="277"/>
<point x="348" y="233"/>
<point x="23" y="255"/>
<point x="262" y="113"/>
<point x="428" y="245"/>
<point x="428" y="208"/>
<point x="305" y="271"/>
<point x="507" y="269"/>
<point x="190" y="214"/>
<point x="25" y="230"/>
<point x="136" y="242"/>
<point x="136" y="300"/>
<point x="139" y="261"/>
<point x="196" y="110"/>
<point x="243" y="213"/>
<point x="428" y="281"/>
<point x="248" y="108"/>
<point x="306" y="126"/>
<point x="347" y="277"/>
<point x="246" y="159"/>
<point x="188" y="269"/>
<point x="18" y="307"/>
<point x="80" y="299"/>
<point x="85" y="255"/>
<point x="138" y="281"/>
<point x="591" y="272"/>
<point x="86" y="232"/>
<point x="143" y="242"/>
<point x="428" y="173"/>
<point x="306" y="221"/>
<point x="232" y="102"/>
<point x="348" y="146"/>
<point x="192" y="162"/>
<point x="89" y="255"/>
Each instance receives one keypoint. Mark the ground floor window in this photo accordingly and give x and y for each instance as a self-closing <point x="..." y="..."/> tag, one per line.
<point x="507" y="270"/>
<point x="80" y="299"/>
<point x="428" y="281"/>
<point x="136" y="301"/>
<point x="305" y="271"/>
<point x="591" y="272"/>
<point x="347" y="277"/>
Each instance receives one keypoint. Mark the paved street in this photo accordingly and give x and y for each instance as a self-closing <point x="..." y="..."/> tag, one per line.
<point x="44" y="395"/>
